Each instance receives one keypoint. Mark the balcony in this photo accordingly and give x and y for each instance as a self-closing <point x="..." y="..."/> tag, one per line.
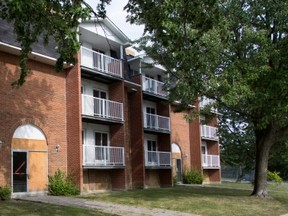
<point x="156" y="159"/>
<point x="210" y="161"/>
<point x="102" y="108"/>
<point x="209" y="132"/>
<point x="101" y="63"/>
<point x="156" y="122"/>
<point x="207" y="102"/>
<point x="153" y="86"/>
<point x="103" y="156"/>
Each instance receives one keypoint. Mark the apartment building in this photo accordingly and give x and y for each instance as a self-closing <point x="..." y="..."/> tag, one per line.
<point x="105" y="120"/>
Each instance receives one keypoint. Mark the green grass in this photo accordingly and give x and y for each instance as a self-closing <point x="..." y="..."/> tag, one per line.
<point x="22" y="208"/>
<point x="201" y="200"/>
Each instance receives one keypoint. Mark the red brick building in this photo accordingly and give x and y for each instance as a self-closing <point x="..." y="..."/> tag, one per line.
<point x="105" y="120"/>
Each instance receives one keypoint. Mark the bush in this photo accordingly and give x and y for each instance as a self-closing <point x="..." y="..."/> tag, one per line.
<point x="174" y="180"/>
<point x="5" y="193"/>
<point x="62" y="185"/>
<point x="274" y="176"/>
<point x="193" y="176"/>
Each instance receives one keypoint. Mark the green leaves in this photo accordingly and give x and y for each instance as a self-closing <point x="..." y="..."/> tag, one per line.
<point x="50" y="19"/>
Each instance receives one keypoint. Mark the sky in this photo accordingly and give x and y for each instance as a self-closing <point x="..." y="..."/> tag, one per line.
<point x="117" y="15"/>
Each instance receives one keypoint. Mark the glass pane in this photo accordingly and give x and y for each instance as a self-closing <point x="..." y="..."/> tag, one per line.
<point x="104" y="139"/>
<point x="98" y="139"/>
<point x="19" y="172"/>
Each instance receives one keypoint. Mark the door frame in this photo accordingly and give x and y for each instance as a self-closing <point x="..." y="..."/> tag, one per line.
<point x="181" y="169"/>
<point x="27" y="171"/>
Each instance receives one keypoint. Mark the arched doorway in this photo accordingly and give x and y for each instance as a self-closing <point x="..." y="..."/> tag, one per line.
<point x="29" y="160"/>
<point x="177" y="162"/>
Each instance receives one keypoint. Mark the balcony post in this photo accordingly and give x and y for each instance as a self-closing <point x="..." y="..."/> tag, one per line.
<point x="102" y="62"/>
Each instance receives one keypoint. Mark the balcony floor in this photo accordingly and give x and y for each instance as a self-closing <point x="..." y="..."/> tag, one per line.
<point x="103" y="167"/>
<point x="101" y="120"/>
<point x="96" y="75"/>
<point x="207" y="167"/>
<point x="155" y="131"/>
<point x="158" y="167"/>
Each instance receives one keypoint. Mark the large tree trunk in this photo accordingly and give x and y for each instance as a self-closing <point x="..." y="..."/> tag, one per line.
<point x="264" y="141"/>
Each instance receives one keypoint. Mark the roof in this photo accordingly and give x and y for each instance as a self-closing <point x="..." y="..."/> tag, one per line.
<point x="8" y="36"/>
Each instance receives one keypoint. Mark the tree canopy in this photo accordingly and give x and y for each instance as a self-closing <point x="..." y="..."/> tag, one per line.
<point x="233" y="51"/>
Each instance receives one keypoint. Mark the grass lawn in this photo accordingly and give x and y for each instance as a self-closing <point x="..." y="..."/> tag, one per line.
<point x="202" y="200"/>
<point x="22" y="208"/>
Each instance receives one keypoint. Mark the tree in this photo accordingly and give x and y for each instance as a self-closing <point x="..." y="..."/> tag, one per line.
<point x="278" y="160"/>
<point x="234" y="51"/>
<point x="237" y="140"/>
<point x="52" y="20"/>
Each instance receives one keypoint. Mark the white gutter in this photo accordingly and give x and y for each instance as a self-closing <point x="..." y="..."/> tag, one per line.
<point x="33" y="55"/>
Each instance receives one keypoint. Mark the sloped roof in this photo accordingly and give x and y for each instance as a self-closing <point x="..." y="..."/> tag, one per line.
<point x="8" y="36"/>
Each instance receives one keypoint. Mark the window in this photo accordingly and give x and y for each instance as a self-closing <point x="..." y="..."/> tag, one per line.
<point x="151" y="145"/>
<point x="97" y="59"/>
<point x="101" y="139"/>
<point x="152" y="154"/>
<point x="151" y="117"/>
<point x="100" y="104"/>
<point x="101" y="143"/>
<point x="204" y="153"/>
<point x="83" y="137"/>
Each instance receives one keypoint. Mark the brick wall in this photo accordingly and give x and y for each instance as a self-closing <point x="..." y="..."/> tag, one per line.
<point x="165" y="177"/>
<point x="163" y="109"/>
<point x="213" y="175"/>
<point x="180" y="135"/>
<point x="118" y="179"/>
<point x="136" y="138"/>
<point x="195" y="140"/>
<point x="116" y="91"/>
<point x="164" y="143"/>
<point x="40" y="101"/>
<point x="74" y="124"/>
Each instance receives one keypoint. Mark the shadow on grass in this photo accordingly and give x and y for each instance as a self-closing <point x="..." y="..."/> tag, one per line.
<point x="22" y="208"/>
<point x="174" y="193"/>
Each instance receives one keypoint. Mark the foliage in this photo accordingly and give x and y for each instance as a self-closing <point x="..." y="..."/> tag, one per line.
<point x="237" y="140"/>
<point x="61" y="185"/>
<point x="174" y="180"/>
<point x="5" y="193"/>
<point x="278" y="159"/>
<point x="231" y="51"/>
<point x="274" y="176"/>
<point x="193" y="176"/>
<point x="50" y="19"/>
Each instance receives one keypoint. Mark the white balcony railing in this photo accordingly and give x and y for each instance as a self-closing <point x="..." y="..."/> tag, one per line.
<point x="154" y="86"/>
<point x="157" y="159"/>
<point x="210" y="161"/>
<point x="98" y="107"/>
<point x="100" y="62"/>
<point x="103" y="156"/>
<point x="206" y="102"/>
<point x="209" y="132"/>
<point x="156" y="122"/>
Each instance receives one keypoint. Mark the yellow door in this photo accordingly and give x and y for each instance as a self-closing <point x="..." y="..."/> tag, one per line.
<point x="37" y="171"/>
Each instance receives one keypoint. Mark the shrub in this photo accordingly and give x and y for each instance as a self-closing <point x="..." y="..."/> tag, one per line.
<point x="5" y="193"/>
<point x="193" y="176"/>
<point x="274" y="176"/>
<point x="61" y="185"/>
<point x="174" y="180"/>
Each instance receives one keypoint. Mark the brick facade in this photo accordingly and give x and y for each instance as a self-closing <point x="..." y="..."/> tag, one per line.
<point x="41" y="101"/>
<point x="53" y="102"/>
